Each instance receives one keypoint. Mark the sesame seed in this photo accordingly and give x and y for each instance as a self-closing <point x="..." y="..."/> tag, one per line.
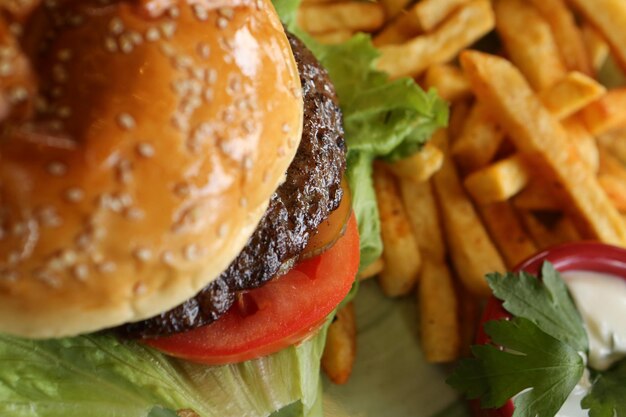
<point x="126" y="45"/>
<point x="191" y="252"/>
<point x="49" y="217"/>
<point x="140" y="288"/>
<point x="208" y="95"/>
<point x="145" y="150"/>
<point x="243" y="202"/>
<point x="135" y="37"/>
<point x="153" y="35"/>
<point x="124" y="171"/>
<point x="286" y="128"/>
<point x="226" y="12"/>
<point x="173" y="12"/>
<point x="248" y="126"/>
<point x="182" y="189"/>
<point x="126" y="121"/>
<point x="182" y="61"/>
<point x="110" y="44"/>
<point x="168" y="29"/>
<point x="84" y="240"/>
<point x="168" y="258"/>
<point x="81" y="272"/>
<point x="200" y="12"/>
<point x="167" y="49"/>
<point x="6" y="68"/>
<point x="64" y="112"/>
<point x="56" y="168"/>
<point x="116" y="26"/>
<point x="204" y="50"/>
<point x="211" y="76"/>
<point x="74" y="195"/>
<point x="222" y="22"/>
<point x="134" y="213"/>
<point x="48" y="278"/>
<point x="64" y="55"/>
<point x="13" y="258"/>
<point x="222" y="230"/>
<point x="107" y="267"/>
<point x="18" y="94"/>
<point x="281" y="151"/>
<point x="143" y="254"/>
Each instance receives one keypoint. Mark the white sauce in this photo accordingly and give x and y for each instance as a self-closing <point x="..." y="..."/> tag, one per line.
<point x="601" y="300"/>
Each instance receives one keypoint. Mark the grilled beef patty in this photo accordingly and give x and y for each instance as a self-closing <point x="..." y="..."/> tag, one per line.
<point x="312" y="190"/>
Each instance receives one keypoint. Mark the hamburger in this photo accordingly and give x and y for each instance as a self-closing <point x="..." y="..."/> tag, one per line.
<point x="170" y="177"/>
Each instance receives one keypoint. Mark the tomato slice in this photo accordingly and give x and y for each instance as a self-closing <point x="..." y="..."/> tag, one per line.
<point x="281" y="313"/>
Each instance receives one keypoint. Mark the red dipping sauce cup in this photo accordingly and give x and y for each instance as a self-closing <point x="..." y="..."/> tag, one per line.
<point x="584" y="256"/>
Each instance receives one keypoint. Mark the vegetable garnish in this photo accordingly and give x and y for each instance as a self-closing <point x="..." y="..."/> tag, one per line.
<point x="607" y="397"/>
<point x="536" y="357"/>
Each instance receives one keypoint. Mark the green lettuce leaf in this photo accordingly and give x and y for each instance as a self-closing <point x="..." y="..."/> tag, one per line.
<point x="100" y="376"/>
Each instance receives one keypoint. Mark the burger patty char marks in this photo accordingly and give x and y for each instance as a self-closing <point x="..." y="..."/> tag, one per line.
<point x="312" y="190"/>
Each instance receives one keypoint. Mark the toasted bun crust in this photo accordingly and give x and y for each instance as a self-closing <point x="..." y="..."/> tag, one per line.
<point x="146" y="162"/>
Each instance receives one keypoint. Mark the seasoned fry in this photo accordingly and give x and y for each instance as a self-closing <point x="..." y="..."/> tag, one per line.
<point x="353" y="16"/>
<point x="340" y="349"/>
<point x="337" y="36"/>
<point x="597" y="47"/>
<point x="421" y="208"/>
<point x="472" y="251"/>
<point x="507" y="232"/>
<point x="615" y="188"/>
<point x="400" y="250"/>
<point x="549" y="228"/>
<point x="567" y="35"/>
<point x="371" y="270"/>
<point x="419" y="166"/>
<point x="479" y="140"/>
<point x="571" y="94"/>
<point x="449" y="81"/>
<point x="498" y="182"/>
<point x="439" y="313"/>
<point x="537" y="196"/>
<point x="529" y="42"/>
<point x="609" y="16"/>
<point x="607" y="113"/>
<point x="464" y="27"/>
<point x="401" y="29"/>
<point x="501" y="87"/>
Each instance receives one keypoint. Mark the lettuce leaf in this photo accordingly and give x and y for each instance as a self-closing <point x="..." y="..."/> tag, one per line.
<point x="101" y="376"/>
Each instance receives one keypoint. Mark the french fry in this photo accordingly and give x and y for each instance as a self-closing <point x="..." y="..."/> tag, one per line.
<point x="340" y="350"/>
<point x="461" y="29"/>
<point x="614" y="142"/>
<point x="398" y="31"/>
<point x="449" y="81"/>
<point x="615" y="188"/>
<point x="607" y="113"/>
<point x="330" y="17"/>
<point x="470" y="308"/>
<point x="609" y="17"/>
<point x="337" y="36"/>
<point x="537" y="196"/>
<point x="503" y="89"/>
<point x="597" y="47"/>
<point x="439" y="313"/>
<point x="499" y="181"/>
<point x="400" y="250"/>
<point x="549" y="228"/>
<point x="472" y="251"/>
<point x="478" y="141"/>
<point x="507" y="232"/>
<point x="430" y="13"/>
<point x="371" y="270"/>
<point x="567" y="35"/>
<point x="419" y="166"/>
<point x="584" y="143"/>
<point x="421" y="206"/>
<point x="529" y="42"/>
<point x="571" y="94"/>
<point x="459" y="112"/>
<point x="394" y="7"/>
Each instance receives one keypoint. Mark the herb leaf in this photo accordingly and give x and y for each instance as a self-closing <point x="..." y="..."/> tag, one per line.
<point x="545" y="302"/>
<point x="531" y="359"/>
<point x="607" y="397"/>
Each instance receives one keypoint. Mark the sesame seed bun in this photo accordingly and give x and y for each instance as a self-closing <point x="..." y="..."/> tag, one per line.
<point x="149" y="158"/>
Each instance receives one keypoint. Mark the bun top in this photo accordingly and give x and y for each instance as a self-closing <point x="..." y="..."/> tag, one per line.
<point x="140" y="146"/>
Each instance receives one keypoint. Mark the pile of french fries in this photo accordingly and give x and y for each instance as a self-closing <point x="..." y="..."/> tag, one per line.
<point x="534" y="154"/>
